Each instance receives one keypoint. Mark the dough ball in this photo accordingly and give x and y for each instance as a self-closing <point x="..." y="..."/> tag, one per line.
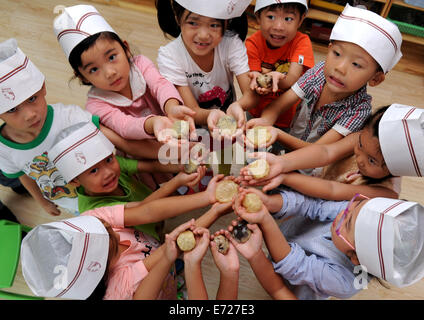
<point x="181" y="129"/>
<point x="222" y="243"/>
<point x="191" y="166"/>
<point x="227" y="125"/>
<point x="264" y="81"/>
<point x="259" y="168"/>
<point x="241" y="232"/>
<point x="252" y="202"/>
<point x="186" y="240"/>
<point x="226" y="190"/>
<point x="258" y="136"/>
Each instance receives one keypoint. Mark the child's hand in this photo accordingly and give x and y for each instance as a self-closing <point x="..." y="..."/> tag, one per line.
<point x="274" y="135"/>
<point x="226" y="263"/>
<point x="162" y="129"/>
<point x="276" y="77"/>
<point x="253" y="75"/>
<point x="213" y="118"/>
<point x="258" y="122"/>
<point x="270" y="183"/>
<point x="222" y="208"/>
<point x="251" y="247"/>
<point x="236" y="111"/>
<point x="211" y="188"/>
<point x="266" y="200"/>
<point x="171" y="249"/>
<point x="275" y="167"/>
<point x="192" y="179"/>
<point x="50" y="207"/>
<point x="180" y="112"/>
<point x="251" y="217"/>
<point x="195" y="256"/>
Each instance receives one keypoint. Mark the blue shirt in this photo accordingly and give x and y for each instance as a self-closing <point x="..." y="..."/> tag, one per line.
<point x="314" y="268"/>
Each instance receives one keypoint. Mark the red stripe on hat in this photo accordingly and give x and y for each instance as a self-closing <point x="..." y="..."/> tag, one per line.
<point x="409" y="142"/>
<point x="67" y="31"/>
<point x="384" y="32"/>
<point x="85" y="16"/>
<point x="15" y="71"/>
<point x="379" y="240"/>
<point x="81" y="264"/>
<point x="76" y="144"/>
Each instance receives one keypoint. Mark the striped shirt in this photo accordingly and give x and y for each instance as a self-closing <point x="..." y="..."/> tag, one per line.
<point x="344" y="116"/>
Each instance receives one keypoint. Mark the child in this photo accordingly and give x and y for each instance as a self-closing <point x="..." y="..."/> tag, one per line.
<point x="280" y="50"/>
<point x="227" y="264"/>
<point x="101" y="257"/>
<point x="354" y="164"/>
<point x="206" y="54"/>
<point x="85" y="158"/>
<point x="364" y="47"/>
<point x="127" y="93"/>
<point x="319" y="249"/>
<point x="30" y="128"/>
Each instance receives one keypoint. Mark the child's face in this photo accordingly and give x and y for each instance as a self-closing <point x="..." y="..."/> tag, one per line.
<point x="348" y="67"/>
<point x="105" y="65"/>
<point x="347" y="230"/>
<point x="29" y="116"/>
<point x="279" y="25"/>
<point x="200" y="34"/>
<point x="368" y="156"/>
<point x="102" y="178"/>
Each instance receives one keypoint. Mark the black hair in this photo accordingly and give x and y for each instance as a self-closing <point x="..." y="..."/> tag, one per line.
<point x="373" y="121"/>
<point x="289" y="5"/>
<point x="87" y="43"/>
<point x="169" y="14"/>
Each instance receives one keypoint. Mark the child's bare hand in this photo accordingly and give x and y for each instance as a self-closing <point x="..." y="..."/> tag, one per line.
<point x="192" y="179"/>
<point x="251" y="217"/>
<point x="222" y="208"/>
<point x="236" y="111"/>
<point x="213" y="119"/>
<point x="257" y="122"/>
<point x="180" y="112"/>
<point x="275" y="167"/>
<point x="171" y="250"/>
<point x="226" y="263"/>
<point x="253" y="75"/>
<point x="276" y="77"/>
<point x="210" y="190"/>
<point x="50" y="207"/>
<point x="274" y="135"/>
<point x="251" y="247"/>
<point x="195" y="256"/>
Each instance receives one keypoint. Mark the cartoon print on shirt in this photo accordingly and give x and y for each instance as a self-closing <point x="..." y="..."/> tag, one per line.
<point x="280" y="66"/>
<point x="216" y="98"/>
<point x="51" y="183"/>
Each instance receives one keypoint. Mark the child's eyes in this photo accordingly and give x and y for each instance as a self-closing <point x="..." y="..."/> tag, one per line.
<point x="288" y="19"/>
<point x="12" y="110"/>
<point x="336" y="53"/>
<point x="357" y="65"/>
<point x="109" y="160"/>
<point x="215" y="25"/>
<point x="112" y="57"/>
<point x="372" y="161"/>
<point x="92" y="70"/>
<point x="270" y="17"/>
<point x="32" y="99"/>
<point x="95" y="170"/>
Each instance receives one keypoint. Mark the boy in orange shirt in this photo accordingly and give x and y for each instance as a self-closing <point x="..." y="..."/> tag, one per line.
<point x="280" y="50"/>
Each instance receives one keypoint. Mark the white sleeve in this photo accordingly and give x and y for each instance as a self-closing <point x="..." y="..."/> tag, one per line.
<point x="73" y="114"/>
<point x="237" y="55"/>
<point x="169" y="65"/>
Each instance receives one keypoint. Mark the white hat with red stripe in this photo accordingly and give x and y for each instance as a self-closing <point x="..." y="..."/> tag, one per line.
<point x="217" y="9"/>
<point x="389" y="240"/>
<point x="373" y="33"/>
<point x="80" y="149"/>
<point x="77" y="23"/>
<point x="266" y="3"/>
<point x="19" y="77"/>
<point x="65" y="259"/>
<point x="401" y="135"/>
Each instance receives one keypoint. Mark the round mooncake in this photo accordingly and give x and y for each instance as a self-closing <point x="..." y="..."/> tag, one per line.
<point x="241" y="232"/>
<point x="186" y="240"/>
<point x="227" y="125"/>
<point x="264" y="81"/>
<point x="226" y="190"/>
<point x="222" y="243"/>
<point x="180" y="129"/>
<point x="259" y="168"/>
<point x="258" y="136"/>
<point x="252" y="202"/>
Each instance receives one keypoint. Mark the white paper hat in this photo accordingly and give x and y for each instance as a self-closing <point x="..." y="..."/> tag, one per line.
<point x="389" y="240"/>
<point x="65" y="258"/>
<point x="77" y="23"/>
<point x="19" y="77"/>
<point x="401" y="135"/>
<point x="217" y="9"/>
<point x="80" y="150"/>
<point x="265" y="3"/>
<point x="373" y="33"/>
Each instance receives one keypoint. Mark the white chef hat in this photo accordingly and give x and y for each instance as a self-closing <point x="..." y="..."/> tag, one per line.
<point x="373" y="33"/>
<point x="77" y="23"/>
<point x="401" y="135"/>
<point x="19" y="77"/>
<point x="389" y="240"/>
<point x="65" y="258"/>
<point x="82" y="146"/>
<point x="265" y="3"/>
<point x="217" y="9"/>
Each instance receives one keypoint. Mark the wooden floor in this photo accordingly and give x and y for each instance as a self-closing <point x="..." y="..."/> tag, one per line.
<point x="30" y="22"/>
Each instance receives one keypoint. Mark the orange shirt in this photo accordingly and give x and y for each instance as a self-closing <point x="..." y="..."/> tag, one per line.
<point x="263" y="59"/>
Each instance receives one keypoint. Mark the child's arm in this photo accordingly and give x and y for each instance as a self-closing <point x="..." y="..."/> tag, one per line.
<point x="293" y="143"/>
<point x="333" y="190"/>
<point x="151" y="285"/>
<point x="229" y="268"/>
<point x="261" y="266"/>
<point x="156" y="166"/>
<point x="33" y="189"/>
<point x="196" y="289"/>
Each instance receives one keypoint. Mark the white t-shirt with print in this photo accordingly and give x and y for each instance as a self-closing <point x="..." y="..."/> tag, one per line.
<point x="214" y="89"/>
<point x="32" y="159"/>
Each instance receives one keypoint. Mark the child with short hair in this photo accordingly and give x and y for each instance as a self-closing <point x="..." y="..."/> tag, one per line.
<point x="279" y="50"/>
<point x="318" y="250"/>
<point x="363" y="47"/>
<point x="85" y="158"/>
<point x="206" y="55"/>
<point x="127" y="93"/>
<point x="30" y="127"/>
